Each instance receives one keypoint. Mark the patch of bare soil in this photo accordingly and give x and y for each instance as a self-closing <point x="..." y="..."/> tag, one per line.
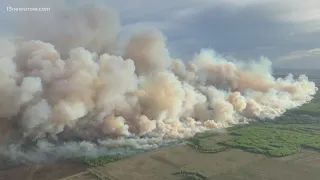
<point x="52" y="171"/>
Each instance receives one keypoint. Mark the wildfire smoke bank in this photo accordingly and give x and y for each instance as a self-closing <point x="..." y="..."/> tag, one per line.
<point x="65" y="81"/>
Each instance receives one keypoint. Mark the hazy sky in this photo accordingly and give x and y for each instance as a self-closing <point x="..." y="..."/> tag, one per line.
<point x="285" y="31"/>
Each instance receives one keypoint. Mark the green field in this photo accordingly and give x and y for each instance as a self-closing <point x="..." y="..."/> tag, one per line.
<point x="276" y="140"/>
<point x="297" y="129"/>
<point x="286" y="135"/>
<point x="286" y="147"/>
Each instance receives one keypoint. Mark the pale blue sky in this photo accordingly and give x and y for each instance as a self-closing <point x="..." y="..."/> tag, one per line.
<point x="285" y="31"/>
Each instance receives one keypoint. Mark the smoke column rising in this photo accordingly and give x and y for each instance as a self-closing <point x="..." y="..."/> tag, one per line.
<point x="66" y="83"/>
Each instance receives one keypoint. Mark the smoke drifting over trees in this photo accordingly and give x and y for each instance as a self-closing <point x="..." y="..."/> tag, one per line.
<point x="65" y="81"/>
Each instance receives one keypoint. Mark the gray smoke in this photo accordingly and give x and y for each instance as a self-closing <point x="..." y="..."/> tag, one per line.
<point x="65" y="90"/>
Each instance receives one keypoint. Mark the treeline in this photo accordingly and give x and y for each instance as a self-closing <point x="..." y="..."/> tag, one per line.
<point x="298" y="117"/>
<point x="195" y="142"/>
<point x="275" y="139"/>
<point x="97" y="174"/>
<point x="191" y="175"/>
<point x="101" y="160"/>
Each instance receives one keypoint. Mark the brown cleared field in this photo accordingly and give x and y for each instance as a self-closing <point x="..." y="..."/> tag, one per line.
<point x="270" y="169"/>
<point x="229" y="165"/>
<point x="233" y="164"/>
<point x="51" y="171"/>
<point x="159" y="164"/>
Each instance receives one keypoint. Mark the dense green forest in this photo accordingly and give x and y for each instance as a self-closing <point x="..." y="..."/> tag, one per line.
<point x="288" y="134"/>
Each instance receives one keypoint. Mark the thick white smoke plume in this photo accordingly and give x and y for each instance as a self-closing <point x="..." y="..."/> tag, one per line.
<point x="65" y="82"/>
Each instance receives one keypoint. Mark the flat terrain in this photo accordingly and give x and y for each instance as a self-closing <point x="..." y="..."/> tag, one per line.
<point x="233" y="164"/>
<point x="51" y="171"/>
<point x="229" y="165"/>
<point x="250" y="155"/>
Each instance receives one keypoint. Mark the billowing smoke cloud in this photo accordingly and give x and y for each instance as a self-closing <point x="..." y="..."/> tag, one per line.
<point x="66" y="84"/>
